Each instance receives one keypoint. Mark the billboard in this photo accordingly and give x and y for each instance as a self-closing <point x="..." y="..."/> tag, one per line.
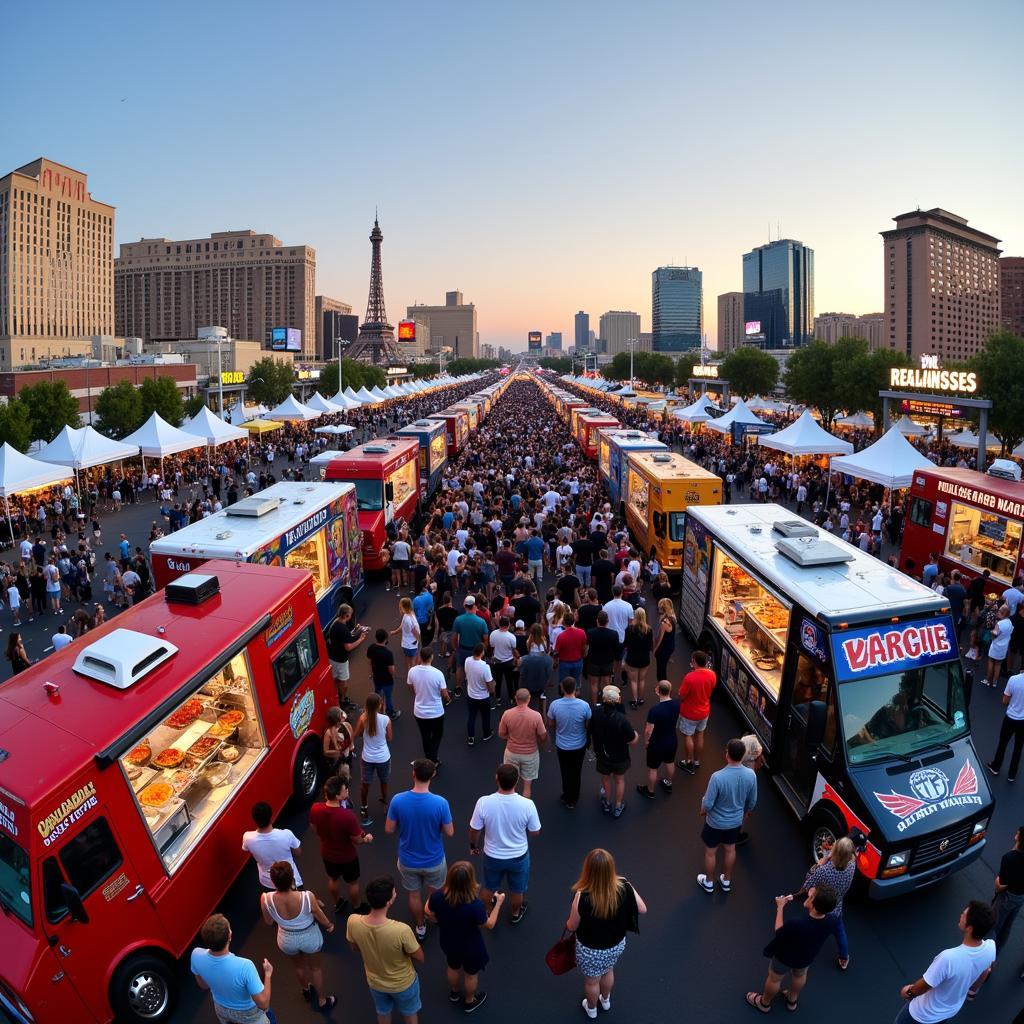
<point x="406" y="330"/>
<point x="286" y="339"/>
<point x="752" y="327"/>
<point x="534" y="339"/>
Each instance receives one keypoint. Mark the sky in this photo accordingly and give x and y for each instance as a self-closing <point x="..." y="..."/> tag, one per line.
<point x="541" y="157"/>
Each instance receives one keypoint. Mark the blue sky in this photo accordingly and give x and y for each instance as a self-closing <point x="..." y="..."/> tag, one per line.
<point x="541" y="157"/>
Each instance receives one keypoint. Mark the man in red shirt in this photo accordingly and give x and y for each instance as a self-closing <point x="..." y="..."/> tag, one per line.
<point x="339" y="830"/>
<point x="695" y="709"/>
<point x="569" y="649"/>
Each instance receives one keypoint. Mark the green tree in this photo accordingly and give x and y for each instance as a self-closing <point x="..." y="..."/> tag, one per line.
<point x="648" y="368"/>
<point x="1000" y="370"/>
<point x="560" y="364"/>
<point x="192" y="406"/>
<point x="161" y="395"/>
<point x="470" y="364"/>
<point x="831" y="378"/>
<point x="16" y="424"/>
<point x="749" y="371"/>
<point x="52" y="408"/>
<point x="883" y="360"/>
<point x="270" y="381"/>
<point x="118" y="410"/>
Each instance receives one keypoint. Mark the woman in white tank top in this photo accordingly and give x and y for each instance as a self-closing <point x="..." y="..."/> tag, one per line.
<point x="375" y="728"/>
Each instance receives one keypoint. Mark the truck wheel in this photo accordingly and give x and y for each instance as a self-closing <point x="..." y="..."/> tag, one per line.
<point x="307" y="772"/>
<point x="823" y="828"/>
<point x="144" y="990"/>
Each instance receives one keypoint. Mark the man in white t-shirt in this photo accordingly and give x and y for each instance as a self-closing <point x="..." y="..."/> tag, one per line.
<point x="506" y="821"/>
<point x="620" y="615"/>
<point x="505" y="656"/>
<point x="1013" y="596"/>
<point x="267" y="845"/>
<point x="1012" y="727"/>
<point x="479" y="692"/>
<point x="60" y="639"/>
<point x="955" y="974"/>
<point x="430" y="690"/>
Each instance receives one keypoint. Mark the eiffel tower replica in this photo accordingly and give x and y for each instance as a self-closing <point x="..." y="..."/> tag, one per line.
<point x="376" y="342"/>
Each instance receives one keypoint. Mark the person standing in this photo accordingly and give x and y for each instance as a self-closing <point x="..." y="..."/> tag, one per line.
<point x="16" y="654"/>
<point x="569" y="648"/>
<point x="388" y="949"/>
<point x="731" y="795"/>
<point x="620" y="614"/>
<point x="612" y="736"/>
<point x="639" y="643"/>
<point x="1011" y="728"/>
<point x="506" y="821"/>
<point x="468" y="630"/>
<point x="240" y="996"/>
<point x="422" y="819"/>
<point x="604" y="907"/>
<point x="602" y="650"/>
<point x="660" y="741"/>
<point x="479" y="693"/>
<point x="375" y="762"/>
<point x="523" y="730"/>
<point x="339" y="831"/>
<point x="1009" y="890"/>
<point x="695" y="710"/>
<point x="665" y="637"/>
<point x="268" y="845"/>
<point x="955" y="975"/>
<point x="999" y="646"/>
<point x="382" y="671"/>
<point x="505" y="655"/>
<point x="836" y="870"/>
<point x="430" y="691"/>
<point x="342" y="640"/>
<point x="794" y="947"/>
<point x="571" y="717"/>
<point x="409" y="627"/>
<point x="459" y="914"/>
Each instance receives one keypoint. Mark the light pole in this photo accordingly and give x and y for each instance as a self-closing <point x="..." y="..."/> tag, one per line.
<point x="631" y="343"/>
<point x="220" y="379"/>
<point x="339" y="343"/>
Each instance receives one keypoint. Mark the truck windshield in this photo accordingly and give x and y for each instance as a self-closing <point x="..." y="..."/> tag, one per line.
<point x="369" y="495"/>
<point x="15" y="886"/>
<point x="903" y="713"/>
<point x="676" y="525"/>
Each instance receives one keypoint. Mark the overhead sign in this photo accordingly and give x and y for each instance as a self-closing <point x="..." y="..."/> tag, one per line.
<point x="406" y="330"/>
<point x="752" y="327"/>
<point x="307" y="374"/>
<point x="534" y="339"/>
<point x="931" y="377"/>
<point x="705" y="371"/>
<point x="887" y="650"/>
<point x="396" y="371"/>
<point x="286" y="339"/>
<point x="915" y="408"/>
<point x="232" y="377"/>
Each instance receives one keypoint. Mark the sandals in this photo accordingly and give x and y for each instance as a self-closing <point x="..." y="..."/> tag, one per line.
<point x="790" y="1003"/>
<point x="842" y="964"/>
<point x="329" y="1004"/>
<point x="754" y="1000"/>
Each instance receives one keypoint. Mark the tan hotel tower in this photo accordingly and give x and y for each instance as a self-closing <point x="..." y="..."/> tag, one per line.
<point x="56" y="264"/>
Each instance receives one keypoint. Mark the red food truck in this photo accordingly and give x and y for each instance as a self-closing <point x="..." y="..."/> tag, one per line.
<point x="386" y="474"/>
<point x="456" y="428"/>
<point x="130" y="763"/>
<point x="587" y="427"/>
<point x="972" y="521"/>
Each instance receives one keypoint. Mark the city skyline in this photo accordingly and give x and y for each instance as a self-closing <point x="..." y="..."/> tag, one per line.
<point x="581" y="230"/>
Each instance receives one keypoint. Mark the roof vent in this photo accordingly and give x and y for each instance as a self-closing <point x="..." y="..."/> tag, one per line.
<point x="809" y="551"/>
<point x="123" y="657"/>
<point x="794" y="528"/>
<point x="376" y="449"/>
<point x="1005" y="469"/>
<point x="192" y="588"/>
<point x="661" y="457"/>
<point x="253" y="507"/>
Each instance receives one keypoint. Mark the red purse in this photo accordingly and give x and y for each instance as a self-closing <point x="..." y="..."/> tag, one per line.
<point x="561" y="957"/>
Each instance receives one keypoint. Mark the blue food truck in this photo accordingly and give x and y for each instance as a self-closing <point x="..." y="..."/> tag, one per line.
<point x="612" y="445"/>
<point x="433" y="453"/>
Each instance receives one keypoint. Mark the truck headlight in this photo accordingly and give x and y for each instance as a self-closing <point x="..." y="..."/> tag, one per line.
<point x="896" y="864"/>
<point x="980" y="827"/>
<point x="897" y="860"/>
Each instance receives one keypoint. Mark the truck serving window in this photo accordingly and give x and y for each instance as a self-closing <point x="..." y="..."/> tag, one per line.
<point x="369" y="495"/>
<point x="311" y="554"/>
<point x="15" y="880"/>
<point x="295" y="662"/>
<point x="983" y="540"/>
<point x="404" y="481"/>
<point x="903" y="713"/>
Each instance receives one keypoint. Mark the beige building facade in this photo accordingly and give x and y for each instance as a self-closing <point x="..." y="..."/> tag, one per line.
<point x="453" y="325"/>
<point x="56" y="264"/>
<point x="247" y="282"/>
<point x="730" y="321"/>
<point x="236" y="357"/>
<point x="942" y="291"/>
<point x="830" y="327"/>
<point x="615" y="328"/>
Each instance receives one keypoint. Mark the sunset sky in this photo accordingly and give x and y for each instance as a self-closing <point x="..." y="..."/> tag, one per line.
<point x="542" y="157"/>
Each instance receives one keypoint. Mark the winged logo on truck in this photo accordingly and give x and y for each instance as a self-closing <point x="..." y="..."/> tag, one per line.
<point x="933" y="794"/>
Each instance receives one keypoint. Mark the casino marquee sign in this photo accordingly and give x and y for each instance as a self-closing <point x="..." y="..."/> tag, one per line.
<point x="929" y="376"/>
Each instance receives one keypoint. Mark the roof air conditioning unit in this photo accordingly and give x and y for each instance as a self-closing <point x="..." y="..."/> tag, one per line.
<point x="253" y="507"/>
<point x="661" y="457"/>
<point x="376" y="449"/>
<point x="192" y="588"/>
<point x="123" y="657"/>
<point x="794" y="528"/>
<point x="808" y="552"/>
<point x="1005" y="469"/>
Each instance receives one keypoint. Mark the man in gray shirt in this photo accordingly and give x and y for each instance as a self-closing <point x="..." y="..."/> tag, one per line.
<point x="534" y="673"/>
<point x="731" y="795"/>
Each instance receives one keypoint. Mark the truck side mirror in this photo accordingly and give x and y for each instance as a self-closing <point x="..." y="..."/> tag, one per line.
<point x="389" y="492"/>
<point x="817" y="717"/>
<point x="73" y="901"/>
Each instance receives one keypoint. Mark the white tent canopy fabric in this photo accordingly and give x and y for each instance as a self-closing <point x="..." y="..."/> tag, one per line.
<point x="84" y="447"/>
<point x="892" y="461"/>
<point x="966" y="438"/>
<point x="856" y="420"/>
<point x="342" y="400"/>
<point x="378" y="395"/>
<point x="908" y="428"/>
<point x="318" y="403"/>
<point x="292" y="409"/>
<point x="157" y="438"/>
<point x="19" y="473"/>
<point x="739" y="413"/>
<point x="364" y="396"/>
<point x="212" y="429"/>
<point x="337" y="428"/>
<point x="805" y="437"/>
<point x="243" y="413"/>
<point x="698" y="412"/>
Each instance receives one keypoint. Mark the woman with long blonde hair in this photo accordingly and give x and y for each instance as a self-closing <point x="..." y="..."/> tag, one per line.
<point x="409" y="627"/>
<point x="375" y="728"/>
<point x="665" y="636"/>
<point x="637" y="658"/>
<point x="836" y="868"/>
<point x="604" y="907"/>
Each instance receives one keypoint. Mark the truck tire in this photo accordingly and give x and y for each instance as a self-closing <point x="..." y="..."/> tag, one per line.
<point x="824" y="826"/>
<point x="307" y="774"/>
<point x="144" y="989"/>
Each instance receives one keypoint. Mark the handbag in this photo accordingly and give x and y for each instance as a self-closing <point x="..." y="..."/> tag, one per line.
<point x="561" y="957"/>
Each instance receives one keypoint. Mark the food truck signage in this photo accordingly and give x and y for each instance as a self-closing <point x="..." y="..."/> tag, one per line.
<point x="931" y="791"/>
<point x="279" y="626"/>
<point x="899" y="648"/>
<point x="60" y="820"/>
<point x="301" y="713"/>
<point x="813" y="641"/>
<point x="983" y="498"/>
<point x="7" y="820"/>
<point x="314" y="522"/>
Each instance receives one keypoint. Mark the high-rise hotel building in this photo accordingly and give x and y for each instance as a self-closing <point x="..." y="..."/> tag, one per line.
<point x="56" y="264"/>
<point x="240" y="280"/>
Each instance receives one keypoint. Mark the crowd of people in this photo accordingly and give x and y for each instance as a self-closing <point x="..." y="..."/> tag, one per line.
<point x="521" y="578"/>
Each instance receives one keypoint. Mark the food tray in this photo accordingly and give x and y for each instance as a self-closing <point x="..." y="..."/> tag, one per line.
<point x="145" y="777"/>
<point x="768" y="636"/>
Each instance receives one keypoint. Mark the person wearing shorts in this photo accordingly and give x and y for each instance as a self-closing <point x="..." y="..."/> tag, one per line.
<point x="695" y="709"/>
<point x="342" y="640"/>
<point x="339" y="831"/>
<point x="731" y="795"/>
<point x="660" y="741"/>
<point x="523" y="730"/>
<point x="612" y="736"/>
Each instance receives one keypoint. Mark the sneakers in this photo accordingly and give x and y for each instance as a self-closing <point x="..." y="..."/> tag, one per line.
<point x="478" y="1001"/>
<point x="395" y="714"/>
<point x="992" y="768"/>
<point x="667" y="786"/>
<point x="606" y="1004"/>
<point x="364" y="817"/>
<point x="688" y="767"/>
<point x="605" y="806"/>
<point x="489" y="736"/>
<point x="520" y="913"/>
<point x="725" y="883"/>
<point x="705" y="883"/>
<point x="590" y="1011"/>
<point x="421" y="932"/>
<point x="619" y="808"/>
<point x="471" y="742"/>
<point x="454" y="997"/>
<point x="644" y="791"/>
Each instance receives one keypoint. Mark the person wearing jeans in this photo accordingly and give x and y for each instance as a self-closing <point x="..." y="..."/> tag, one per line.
<point x="570" y="716"/>
<point x="431" y="695"/>
<point x="479" y="694"/>
<point x="1012" y="727"/>
<point x="1009" y="886"/>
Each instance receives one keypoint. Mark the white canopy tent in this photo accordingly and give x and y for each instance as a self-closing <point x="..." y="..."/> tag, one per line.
<point x="804" y="436"/>
<point x="966" y="438"/>
<point x="342" y="400"/>
<point x="334" y="428"/>
<point x="83" y="448"/>
<point x="365" y="397"/>
<point x="891" y="461"/>
<point x="379" y="396"/>
<point x="908" y="428"/>
<point x="698" y="412"/>
<point x="157" y="438"/>
<point x="856" y="421"/>
<point x="349" y="393"/>
<point x="318" y="403"/>
<point x="292" y="409"/>
<point x="20" y="474"/>
<point x="212" y="429"/>
<point x="243" y="413"/>
<point x="739" y="413"/>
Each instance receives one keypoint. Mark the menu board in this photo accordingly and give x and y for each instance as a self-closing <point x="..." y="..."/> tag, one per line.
<point x="696" y="573"/>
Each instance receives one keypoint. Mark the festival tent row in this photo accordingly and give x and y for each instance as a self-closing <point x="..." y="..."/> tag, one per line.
<point x="699" y="412"/>
<point x="739" y="413"/>
<point x="20" y="474"/>
<point x="804" y="436"/>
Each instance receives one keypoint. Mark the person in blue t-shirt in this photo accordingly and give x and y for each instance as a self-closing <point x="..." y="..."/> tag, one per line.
<point x="571" y="718"/>
<point x="468" y="630"/>
<point x="421" y="819"/>
<point x="536" y="554"/>
<point x="239" y="996"/>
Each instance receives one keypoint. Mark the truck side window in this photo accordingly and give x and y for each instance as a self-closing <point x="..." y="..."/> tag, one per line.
<point x="659" y="524"/>
<point x="53" y="898"/>
<point x="921" y="512"/>
<point x="91" y="857"/>
<point x="295" y="662"/>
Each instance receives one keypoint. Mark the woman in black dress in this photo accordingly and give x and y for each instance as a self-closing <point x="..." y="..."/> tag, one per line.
<point x="16" y="654"/>
<point x="639" y="644"/>
<point x="665" y="637"/>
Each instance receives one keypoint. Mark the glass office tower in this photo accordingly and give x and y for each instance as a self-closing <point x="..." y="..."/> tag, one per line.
<point x="677" y="309"/>
<point x="778" y="281"/>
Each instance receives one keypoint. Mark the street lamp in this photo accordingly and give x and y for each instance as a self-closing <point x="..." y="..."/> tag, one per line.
<point x="631" y="343"/>
<point x="339" y="344"/>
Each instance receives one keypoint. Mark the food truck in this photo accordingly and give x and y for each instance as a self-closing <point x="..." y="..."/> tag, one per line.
<point x="658" y="488"/>
<point x="972" y="521"/>
<point x="612" y="446"/>
<point x="310" y="526"/>
<point x="386" y="475"/>
<point x="431" y="435"/>
<point x="587" y="427"/>
<point x="472" y="409"/>
<point x="131" y="762"/>
<point x="848" y="671"/>
<point x="575" y="412"/>
<point x="457" y="428"/>
<point x="485" y="401"/>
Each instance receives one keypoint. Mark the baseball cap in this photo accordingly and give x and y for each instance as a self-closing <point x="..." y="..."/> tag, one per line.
<point x="520" y="624"/>
<point x="611" y="695"/>
<point x="470" y="601"/>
